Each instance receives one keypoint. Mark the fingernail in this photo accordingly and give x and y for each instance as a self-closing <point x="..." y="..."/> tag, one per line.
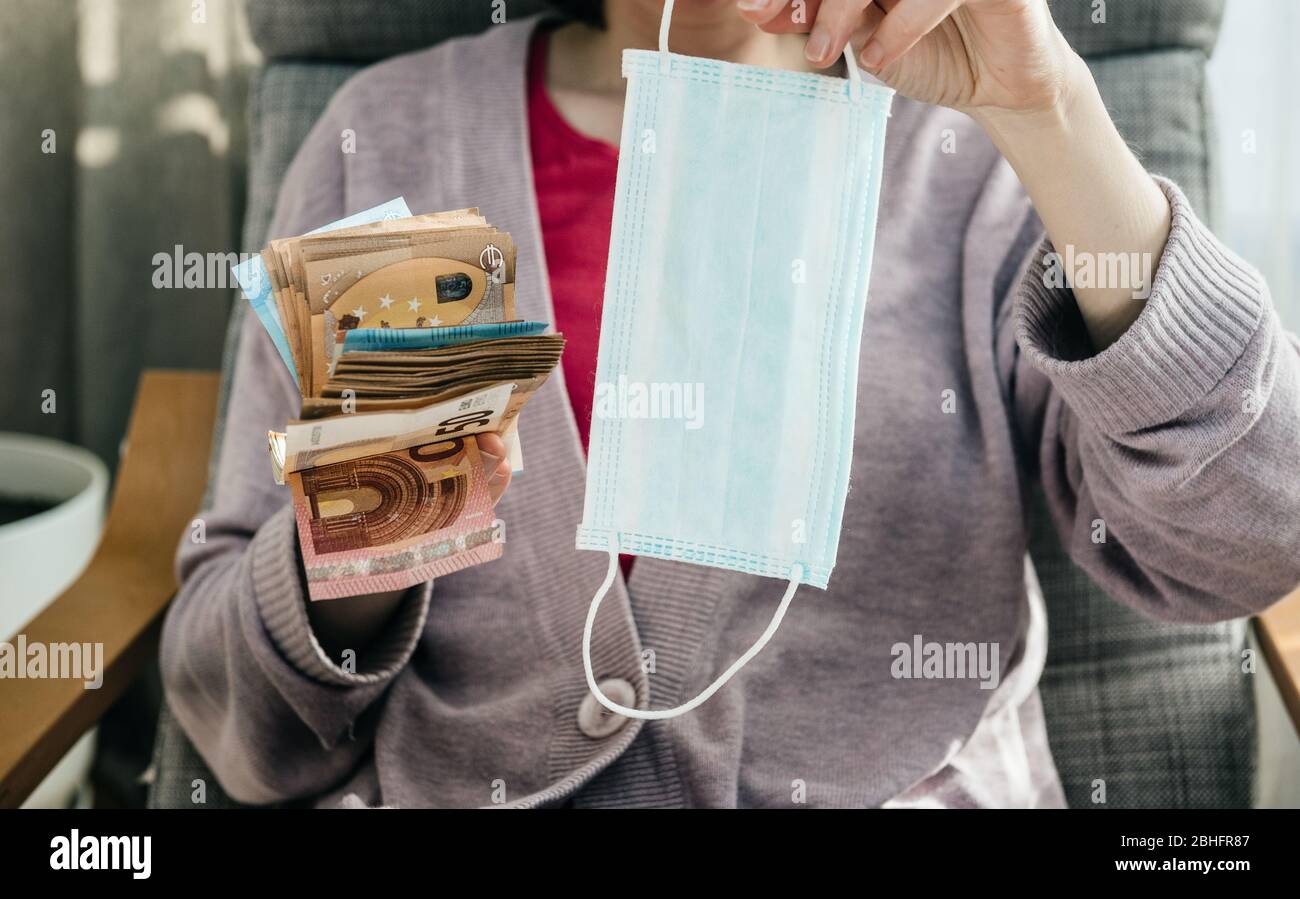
<point x="490" y="462"/>
<point x="872" y="53"/>
<point x="752" y="5"/>
<point x="818" y="43"/>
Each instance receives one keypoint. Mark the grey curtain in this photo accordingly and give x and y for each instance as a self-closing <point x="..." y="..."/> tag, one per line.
<point x="123" y="135"/>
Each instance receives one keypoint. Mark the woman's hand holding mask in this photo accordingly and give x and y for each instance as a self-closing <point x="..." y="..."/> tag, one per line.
<point x="1005" y="64"/>
<point x="970" y="55"/>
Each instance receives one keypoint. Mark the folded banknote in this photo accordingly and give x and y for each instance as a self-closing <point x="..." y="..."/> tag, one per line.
<point x="255" y="282"/>
<point x="394" y="520"/>
<point x="362" y="340"/>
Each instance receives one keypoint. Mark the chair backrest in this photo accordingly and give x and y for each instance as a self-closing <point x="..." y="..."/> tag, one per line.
<point x="1158" y="713"/>
<point x="1152" y="710"/>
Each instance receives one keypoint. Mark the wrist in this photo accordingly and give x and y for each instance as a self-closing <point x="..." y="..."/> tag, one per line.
<point x="1075" y="102"/>
<point x="353" y="622"/>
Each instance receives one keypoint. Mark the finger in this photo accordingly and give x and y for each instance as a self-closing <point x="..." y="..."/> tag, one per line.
<point x="906" y="22"/>
<point x="762" y="12"/>
<point x="793" y="17"/>
<point x="498" y="483"/>
<point x="496" y="464"/>
<point x="870" y="19"/>
<point x="836" y="22"/>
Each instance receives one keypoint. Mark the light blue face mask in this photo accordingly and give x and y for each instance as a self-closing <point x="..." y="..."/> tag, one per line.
<point x="744" y="216"/>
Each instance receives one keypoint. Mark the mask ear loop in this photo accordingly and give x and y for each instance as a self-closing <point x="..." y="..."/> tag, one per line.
<point x="796" y="576"/>
<point x="855" y="76"/>
<point x="664" y="22"/>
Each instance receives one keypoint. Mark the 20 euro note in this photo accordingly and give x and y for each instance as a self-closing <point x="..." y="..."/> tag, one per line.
<point x="394" y="520"/>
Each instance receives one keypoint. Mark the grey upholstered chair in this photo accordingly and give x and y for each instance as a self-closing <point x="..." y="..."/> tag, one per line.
<point x="1160" y="712"/>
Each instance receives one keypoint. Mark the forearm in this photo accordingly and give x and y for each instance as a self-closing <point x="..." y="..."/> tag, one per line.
<point x="273" y="719"/>
<point x="1169" y="460"/>
<point x="1093" y="195"/>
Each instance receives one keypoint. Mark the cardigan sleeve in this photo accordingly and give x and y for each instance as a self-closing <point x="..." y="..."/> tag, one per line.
<point x="270" y="712"/>
<point x="1171" y="459"/>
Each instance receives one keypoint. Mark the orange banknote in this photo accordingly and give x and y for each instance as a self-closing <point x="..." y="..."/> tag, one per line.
<point x="394" y="520"/>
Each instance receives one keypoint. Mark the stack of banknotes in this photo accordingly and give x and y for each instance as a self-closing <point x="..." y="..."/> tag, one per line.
<point x="401" y="334"/>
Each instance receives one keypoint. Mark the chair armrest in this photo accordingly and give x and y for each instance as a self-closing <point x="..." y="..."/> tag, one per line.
<point x="120" y="599"/>
<point x="1278" y="631"/>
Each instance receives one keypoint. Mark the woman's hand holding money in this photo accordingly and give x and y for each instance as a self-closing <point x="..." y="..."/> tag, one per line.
<point x="355" y="622"/>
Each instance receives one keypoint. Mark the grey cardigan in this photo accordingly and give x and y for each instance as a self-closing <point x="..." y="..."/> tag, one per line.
<point x="1183" y="437"/>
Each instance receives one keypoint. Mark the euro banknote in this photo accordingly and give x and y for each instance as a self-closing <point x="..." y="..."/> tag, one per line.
<point x="401" y="334"/>
<point x="255" y="282"/>
<point x="397" y="519"/>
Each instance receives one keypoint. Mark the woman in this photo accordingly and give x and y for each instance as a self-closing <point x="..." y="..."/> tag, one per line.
<point x="1167" y="425"/>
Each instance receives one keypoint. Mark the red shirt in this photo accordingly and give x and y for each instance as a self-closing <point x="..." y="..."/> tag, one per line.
<point x="574" y="176"/>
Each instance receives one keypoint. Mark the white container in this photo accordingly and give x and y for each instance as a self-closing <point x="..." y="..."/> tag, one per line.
<point x="40" y="557"/>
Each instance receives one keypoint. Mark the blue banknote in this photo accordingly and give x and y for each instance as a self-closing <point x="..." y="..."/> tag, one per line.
<point x="381" y="339"/>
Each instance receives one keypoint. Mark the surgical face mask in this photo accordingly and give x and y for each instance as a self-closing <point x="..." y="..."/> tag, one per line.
<point x="744" y="217"/>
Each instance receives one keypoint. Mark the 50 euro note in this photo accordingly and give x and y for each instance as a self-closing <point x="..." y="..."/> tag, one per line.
<point x="457" y="277"/>
<point x="391" y="521"/>
<point x="323" y="441"/>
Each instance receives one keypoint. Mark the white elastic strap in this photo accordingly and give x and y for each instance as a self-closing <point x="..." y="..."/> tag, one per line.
<point x="663" y="27"/>
<point x="796" y="575"/>
<point x="855" y="76"/>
